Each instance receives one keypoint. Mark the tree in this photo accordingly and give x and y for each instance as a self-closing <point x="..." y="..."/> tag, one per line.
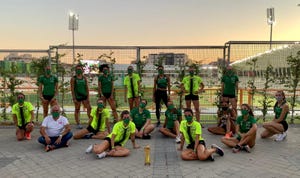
<point x="293" y="80"/>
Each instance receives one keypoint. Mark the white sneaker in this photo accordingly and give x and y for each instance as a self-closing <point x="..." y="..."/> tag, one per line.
<point x="281" y="137"/>
<point x="177" y="139"/>
<point x="89" y="149"/>
<point x="102" y="155"/>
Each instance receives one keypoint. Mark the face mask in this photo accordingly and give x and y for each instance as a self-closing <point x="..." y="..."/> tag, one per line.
<point x="55" y="114"/>
<point x="171" y="106"/>
<point x="142" y="105"/>
<point x="78" y="71"/>
<point x="105" y="72"/>
<point x="224" y="108"/>
<point x="244" y="112"/>
<point x="160" y="71"/>
<point x="126" y="120"/>
<point x="21" y="100"/>
<point x="191" y="73"/>
<point x="129" y="71"/>
<point x="48" y="72"/>
<point x="229" y="72"/>
<point x="278" y="98"/>
<point x="100" y="105"/>
<point x="189" y="118"/>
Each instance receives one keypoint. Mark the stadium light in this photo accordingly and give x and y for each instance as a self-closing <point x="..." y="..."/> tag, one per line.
<point x="271" y="21"/>
<point x="73" y="25"/>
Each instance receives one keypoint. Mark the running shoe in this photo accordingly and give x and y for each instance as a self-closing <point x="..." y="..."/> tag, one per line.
<point x="246" y="148"/>
<point x="236" y="149"/>
<point x="177" y="139"/>
<point x="281" y="137"/>
<point x="146" y="137"/>
<point x="89" y="149"/>
<point x="158" y="124"/>
<point x="102" y="155"/>
<point x="211" y="158"/>
<point x="219" y="150"/>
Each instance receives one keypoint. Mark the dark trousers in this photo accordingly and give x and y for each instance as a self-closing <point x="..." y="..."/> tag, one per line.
<point x="160" y="95"/>
<point x="63" y="142"/>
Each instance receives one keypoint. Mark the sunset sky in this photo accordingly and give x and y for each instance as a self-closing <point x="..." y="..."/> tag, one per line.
<point x="36" y="24"/>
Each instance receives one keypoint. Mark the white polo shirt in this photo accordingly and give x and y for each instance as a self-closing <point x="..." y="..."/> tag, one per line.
<point x="54" y="128"/>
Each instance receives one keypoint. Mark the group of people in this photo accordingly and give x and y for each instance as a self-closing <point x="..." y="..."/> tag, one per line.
<point x="240" y="132"/>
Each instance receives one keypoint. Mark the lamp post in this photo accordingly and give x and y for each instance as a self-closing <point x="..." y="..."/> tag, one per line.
<point x="271" y="21"/>
<point x="73" y="25"/>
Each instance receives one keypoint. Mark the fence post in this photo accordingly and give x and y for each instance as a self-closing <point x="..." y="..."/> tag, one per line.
<point x="241" y="96"/>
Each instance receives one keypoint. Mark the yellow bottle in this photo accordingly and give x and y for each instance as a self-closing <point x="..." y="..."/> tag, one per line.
<point x="147" y="155"/>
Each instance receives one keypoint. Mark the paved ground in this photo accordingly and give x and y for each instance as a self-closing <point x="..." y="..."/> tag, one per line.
<point x="28" y="159"/>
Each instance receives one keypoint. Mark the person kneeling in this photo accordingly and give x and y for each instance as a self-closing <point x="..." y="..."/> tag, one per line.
<point x="246" y="131"/>
<point x="55" y="130"/>
<point x="171" y="125"/>
<point x="113" y="144"/>
<point x="196" y="149"/>
<point x="99" y="120"/>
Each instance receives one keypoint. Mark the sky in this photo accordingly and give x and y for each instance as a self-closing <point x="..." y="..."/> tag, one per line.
<point x="37" y="24"/>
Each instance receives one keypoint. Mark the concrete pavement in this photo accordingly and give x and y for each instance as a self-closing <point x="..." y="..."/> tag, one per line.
<point x="28" y="159"/>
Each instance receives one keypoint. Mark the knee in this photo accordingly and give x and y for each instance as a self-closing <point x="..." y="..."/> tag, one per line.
<point x="202" y="157"/>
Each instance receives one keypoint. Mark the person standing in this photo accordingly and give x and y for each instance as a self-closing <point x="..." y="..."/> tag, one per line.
<point x="132" y="83"/>
<point x="106" y="89"/>
<point x="113" y="144"/>
<point x="23" y="115"/>
<point x="48" y="89"/>
<point x="98" y="125"/>
<point x="230" y="87"/>
<point x="192" y="134"/>
<point x="246" y="129"/>
<point x="55" y="130"/>
<point x="192" y="85"/>
<point x="278" y="125"/>
<point x="161" y="91"/>
<point x="80" y="93"/>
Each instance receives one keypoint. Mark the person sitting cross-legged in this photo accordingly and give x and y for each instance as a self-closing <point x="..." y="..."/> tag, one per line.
<point x="55" y="130"/>
<point x="113" y="144"/>
<point x="192" y="134"/>
<point x="98" y="126"/>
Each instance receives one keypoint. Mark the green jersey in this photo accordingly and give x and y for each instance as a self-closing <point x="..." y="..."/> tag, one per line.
<point x="186" y="81"/>
<point x="27" y="109"/>
<point x="278" y="110"/>
<point x="119" y="130"/>
<point x="195" y="129"/>
<point x="105" y="115"/>
<point x="245" y="125"/>
<point x="80" y="88"/>
<point x="162" y="82"/>
<point x="229" y="84"/>
<point x="48" y="83"/>
<point x="172" y="117"/>
<point x="132" y="87"/>
<point x="106" y="83"/>
<point x="139" y="119"/>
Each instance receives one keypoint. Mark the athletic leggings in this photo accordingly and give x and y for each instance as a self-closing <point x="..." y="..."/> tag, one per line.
<point x="160" y="95"/>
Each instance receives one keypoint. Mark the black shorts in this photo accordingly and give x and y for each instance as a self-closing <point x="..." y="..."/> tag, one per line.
<point x="91" y="129"/>
<point x="228" y="96"/>
<point x="109" y="141"/>
<point x="192" y="145"/>
<point x="191" y="97"/>
<point x="83" y="98"/>
<point x="285" y="125"/>
<point x="106" y="95"/>
<point x="23" y="127"/>
<point x="138" y="128"/>
<point x="48" y="97"/>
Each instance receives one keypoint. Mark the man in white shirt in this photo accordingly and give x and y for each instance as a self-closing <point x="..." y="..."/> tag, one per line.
<point x="55" y="130"/>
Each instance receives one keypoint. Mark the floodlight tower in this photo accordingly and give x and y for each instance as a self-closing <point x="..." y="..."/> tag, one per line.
<point x="73" y="25"/>
<point x="271" y="21"/>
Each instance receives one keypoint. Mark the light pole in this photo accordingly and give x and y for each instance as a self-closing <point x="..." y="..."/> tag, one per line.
<point x="73" y="25"/>
<point x="271" y="21"/>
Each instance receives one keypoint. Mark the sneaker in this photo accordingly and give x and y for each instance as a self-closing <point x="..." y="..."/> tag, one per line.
<point x="177" y="139"/>
<point x="102" y="155"/>
<point x="89" y="149"/>
<point x="211" y="158"/>
<point x="79" y="126"/>
<point x="246" y="148"/>
<point x="281" y="137"/>
<point x="219" y="150"/>
<point x="146" y="137"/>
<point x="158" y="124"/>
<point x="27" y="136"/>
<point x="236" y="149"/>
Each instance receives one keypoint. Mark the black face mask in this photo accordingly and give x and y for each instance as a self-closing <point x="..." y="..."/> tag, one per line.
<point x="224" y="108"/>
